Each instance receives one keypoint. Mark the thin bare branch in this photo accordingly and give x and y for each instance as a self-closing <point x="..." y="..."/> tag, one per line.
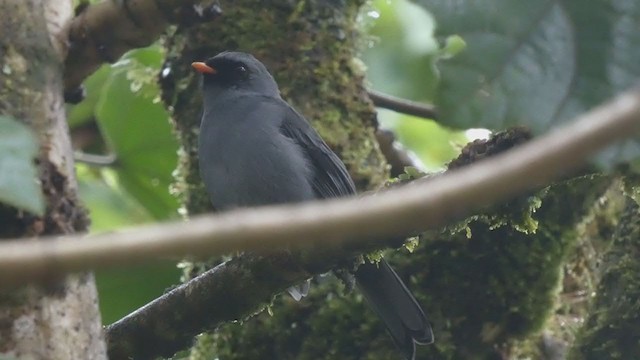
<point x="397" y="157"/>
<point x="414" y="207"/>
<point x="94" y="159"/>
<point x="402" y="105"/>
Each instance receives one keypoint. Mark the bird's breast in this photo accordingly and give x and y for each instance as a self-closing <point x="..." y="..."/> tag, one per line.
<point x="252" y="164"/>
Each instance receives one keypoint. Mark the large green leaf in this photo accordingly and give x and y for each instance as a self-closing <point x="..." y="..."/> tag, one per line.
<point x="85" y="111"/>
<point x="18" y="177"/>
<point x="111" y="207"/>
<point x="124" y="290"/>
<point x="137" y="128"/>
<point x="537" y="63"/>
<point x="121" y="290"/>
<point x="399" y="62"/>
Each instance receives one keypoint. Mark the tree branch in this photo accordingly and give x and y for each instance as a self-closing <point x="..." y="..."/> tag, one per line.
<point x="402" y="105"/>
<point x="94" y="159"/>
<point x="419" y="206"/>
<point x="233" y="290"/>
<point x="398" y="158"/>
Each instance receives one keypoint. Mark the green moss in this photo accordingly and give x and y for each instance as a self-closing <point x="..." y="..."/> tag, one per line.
<point x="499" y="286"/>
<point x="517" y="214"/>
<point x="612" y="329"/>
<point x="631" y="183"/>
<point x="307" y="331"/>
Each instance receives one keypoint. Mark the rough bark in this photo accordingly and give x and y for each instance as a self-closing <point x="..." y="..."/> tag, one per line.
<point x="60" y="320"/>
<point x="612" y="329"/>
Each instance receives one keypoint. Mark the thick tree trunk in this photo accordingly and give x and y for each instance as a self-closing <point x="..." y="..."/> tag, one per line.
<point x="59" y="320"/>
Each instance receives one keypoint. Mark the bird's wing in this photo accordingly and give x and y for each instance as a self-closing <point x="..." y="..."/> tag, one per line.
<point x="330" y="177"/>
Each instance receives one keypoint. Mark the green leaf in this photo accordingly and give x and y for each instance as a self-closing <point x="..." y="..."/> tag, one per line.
<point x="84" y="111"/>
<point x="151" y="56"/>
<point x="452" y="47"/>
<point x="434" y="145"/>
<point x="110" y="206"/>
<point x="18" y="177"/>
<point x="137" y="128"/>
<point x="401" y="63"/>
<point x="536" y="63"/>
<point x="124" y="290"/>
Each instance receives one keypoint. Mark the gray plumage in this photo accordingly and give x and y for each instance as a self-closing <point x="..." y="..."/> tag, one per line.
<point x="255" y="149"/>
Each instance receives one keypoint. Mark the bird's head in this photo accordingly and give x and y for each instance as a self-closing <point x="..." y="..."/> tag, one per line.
<point x="235" y="72"/>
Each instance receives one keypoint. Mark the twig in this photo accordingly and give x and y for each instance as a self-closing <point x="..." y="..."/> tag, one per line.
<point x="415" y="207"/>
<point x="398" y="158"/>
<point x="94" y="159"/>
<point x="402" y="106"/>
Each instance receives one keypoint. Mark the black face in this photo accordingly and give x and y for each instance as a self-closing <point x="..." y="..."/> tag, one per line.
<point x="229" y="71"/>
<point x="239" y="71"/>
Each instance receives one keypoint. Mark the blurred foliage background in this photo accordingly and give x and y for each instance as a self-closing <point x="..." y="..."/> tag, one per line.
<point x="510" y="49"/>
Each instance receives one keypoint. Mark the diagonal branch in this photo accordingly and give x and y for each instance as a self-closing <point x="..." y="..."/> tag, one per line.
<point x="419" y="206"/>
<point x="402" y="105"/>
<point x="231" y="291"/>
<point x="397" y="157"/>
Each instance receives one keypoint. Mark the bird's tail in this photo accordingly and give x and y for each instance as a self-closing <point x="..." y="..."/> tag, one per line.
<point x="393" y="302"/>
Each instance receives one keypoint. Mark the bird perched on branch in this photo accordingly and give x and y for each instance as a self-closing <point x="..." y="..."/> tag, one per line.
<point x="255" y="149"/>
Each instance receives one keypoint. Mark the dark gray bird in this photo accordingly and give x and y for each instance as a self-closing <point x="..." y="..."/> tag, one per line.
<point x="255" y="150"/>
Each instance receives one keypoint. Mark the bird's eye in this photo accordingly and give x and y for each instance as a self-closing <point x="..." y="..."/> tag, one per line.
<point x="241" y="68"/>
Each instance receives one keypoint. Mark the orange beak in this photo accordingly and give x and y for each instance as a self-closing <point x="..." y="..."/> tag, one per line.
<point x="203" y="68"/>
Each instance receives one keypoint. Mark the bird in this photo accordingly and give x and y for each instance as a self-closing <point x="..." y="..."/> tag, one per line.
<point x="255" y="149"/>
